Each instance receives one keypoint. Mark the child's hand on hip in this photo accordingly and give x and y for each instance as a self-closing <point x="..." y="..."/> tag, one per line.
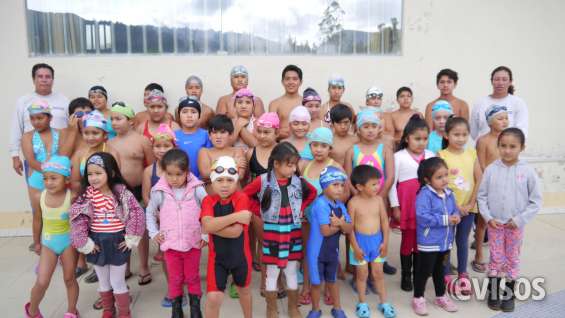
<point x="511" y="225"/>
<point x="494" y="224"/>
<point x="123" y="246"/>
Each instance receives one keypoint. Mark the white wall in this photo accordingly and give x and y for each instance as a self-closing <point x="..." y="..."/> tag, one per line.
<point x="470" y="36"/>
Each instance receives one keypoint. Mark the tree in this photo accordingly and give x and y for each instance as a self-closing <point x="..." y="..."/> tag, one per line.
<point x="330" y="25"/>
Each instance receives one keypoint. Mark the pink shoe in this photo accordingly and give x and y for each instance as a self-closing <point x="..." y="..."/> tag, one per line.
<point x="38" y="315"/>
<point x="445" y="303"/>
<point x="452" y="285"/>
<point x="464" y="284"/>
<point x="69" y="315"/>
<point x="419" y="306"/>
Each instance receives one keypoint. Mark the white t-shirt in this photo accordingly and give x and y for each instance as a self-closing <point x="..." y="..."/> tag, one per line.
<point x="21" y="123"/>
<point x="517" y="114"/>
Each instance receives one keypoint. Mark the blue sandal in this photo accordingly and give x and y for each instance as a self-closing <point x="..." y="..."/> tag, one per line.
<point x="314" y="314"/>
<point x="362" y="310"/>
<point x="338" y="313"/>
<point x="387" y="310"/>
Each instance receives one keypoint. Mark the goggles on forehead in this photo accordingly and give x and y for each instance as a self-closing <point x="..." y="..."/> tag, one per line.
<point x="219" y="170"/>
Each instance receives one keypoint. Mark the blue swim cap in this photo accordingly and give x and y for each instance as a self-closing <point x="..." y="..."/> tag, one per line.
<point x="58" y="164"/>
<point x="494" y="110"/>
<point x="331" y="175"/>
<point x="95" y="119"/>
<point x="441" y="105"/>
<point x="367" y="116"/>
<point x="321" y="134"/>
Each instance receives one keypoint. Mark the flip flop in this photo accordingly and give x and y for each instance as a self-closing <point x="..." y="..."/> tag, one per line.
<point x="97" y="304"/>
<point x="144" y="279"/>
<point x="305" y="299"/>
<point x="479" y="267"/>
<point x="328" y="299"/>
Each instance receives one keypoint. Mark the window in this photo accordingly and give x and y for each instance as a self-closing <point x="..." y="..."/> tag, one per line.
<point x="215" y="27"/>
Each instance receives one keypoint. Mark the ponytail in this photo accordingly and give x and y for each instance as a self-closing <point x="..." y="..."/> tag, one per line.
<point x="414" y="123"/>
<point x="506" y="69"/>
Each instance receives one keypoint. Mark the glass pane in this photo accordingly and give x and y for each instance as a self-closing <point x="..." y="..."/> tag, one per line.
<point x="90" y="37"/>
<point x="39" y="32"/>
<point x="168" y="40"/>
<point x="136" y="32"/>
<point x="74" y="44"/>
<point x="182" y="40"/>
<point x="152" y="38"/>
<point x="121" y="37"/>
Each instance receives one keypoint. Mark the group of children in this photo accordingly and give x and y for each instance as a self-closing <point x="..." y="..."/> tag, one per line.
<point x="273" y="192"/>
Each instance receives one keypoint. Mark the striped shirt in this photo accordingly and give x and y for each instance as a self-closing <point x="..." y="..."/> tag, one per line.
<point x="105" y="219"/>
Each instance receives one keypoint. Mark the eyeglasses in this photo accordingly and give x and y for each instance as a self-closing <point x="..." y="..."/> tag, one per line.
<point x="374" y="95"/>
<point x="81" y="114"/>
<point x="220" y="169"/>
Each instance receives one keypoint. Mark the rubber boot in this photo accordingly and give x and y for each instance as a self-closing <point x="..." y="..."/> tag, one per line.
<point x="507" y="303"/>
<point x="195" y="311"/>
<point x="406" y="273"/>
<point x="122" y="302"/>
<point x="271" y="298"/>
<point x="176" y="309"/>
<point x="293" y="311"/>
<point x="493" y="293"/>
<point x="108" y="308"/>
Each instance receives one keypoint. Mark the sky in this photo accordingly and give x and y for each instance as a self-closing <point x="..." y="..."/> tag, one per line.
<point x="273" y="19"/>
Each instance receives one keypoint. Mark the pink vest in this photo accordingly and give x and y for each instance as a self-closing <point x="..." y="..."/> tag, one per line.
<point x="179" y="220"/>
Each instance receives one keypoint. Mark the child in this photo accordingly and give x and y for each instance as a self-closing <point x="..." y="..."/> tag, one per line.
<point x="441" y="110"/>
<point x="98" y="96"/>
<point x="282" y="196"/>
<point x="374" y="100"/>
<point x="51" y="226"/>
<point x="193" y="88"/>
<point x="313" y="102"/>
<point x="95" y="135"/>
<point x="446" y="81"/>
<point x="266" y="133"/>
<point x="464" y="178"/>
<point x="239" y="78"/>
<point x="436" y="215"/>
<point x="336" y="88"/>
<point x="342" y="118"/>
<point x="244" y="103"/>
<point x="107" y="222"/>
<point x="191" y="138"/>
<point x="176" y="199"/>
<point x="78" y="107"/>
<point x="509" y="198"/>
<point x="369" y="238"/>
<point x="402" y="195"/>
<point x="400" y="117"/>
<point x="225" y="218"/>
<point x="38" y="146"/>
<point x="283" y="106"/>
<point x="329" y="220"/>
<point x="299" y="124"/>
<point x="135" y="154"/>
<point x="143" y="116"/>
<point x="157" y="107"/>
<point x="487" y="153"/>
<point x="220" y="130"/>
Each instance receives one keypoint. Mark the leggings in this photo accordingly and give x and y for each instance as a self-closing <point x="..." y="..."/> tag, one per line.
<point x="430" y="263"/>
<point x="290" y="273"/>
<point x="462" y="241"/>
<point x="111" y="277"/>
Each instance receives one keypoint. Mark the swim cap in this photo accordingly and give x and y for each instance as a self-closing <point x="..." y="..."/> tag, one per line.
<point x="122" y="108"/>
<point x="310" y="94"/>
<point x="239" y="70"/>
<point x="331" y="175"/>
<point x="336" y="80"/>
<point x="224" y="166"/>
<point x="95" y="119"/>
<point x="299" y="113"/>
<point x="268" y="120"/>
<point x="193" y="78"/>
<point x="98" y="89"/>
<point x="373" y="92"/>
<point x="244" y="92"/>
<point x="367" y="116"/>
<point x="39" y="106"/>
<point x="156" y="96"/>
<point x="494" y="110"/>
<point x="189" y="101"/>
<point x="59" y="165"/>
<point x="164" y="132"/>
<point x="441" y="105"/>
<point x="321" y="134"/>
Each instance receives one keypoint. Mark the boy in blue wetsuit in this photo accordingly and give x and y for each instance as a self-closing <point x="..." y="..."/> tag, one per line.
<point x="329" y="220"/>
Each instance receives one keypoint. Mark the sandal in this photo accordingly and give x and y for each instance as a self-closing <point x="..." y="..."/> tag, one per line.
<point x="479" y="267"/>
<point x="305" y="298"/>
<point x="328" y="299"/>
<point x="97" y="304"/>
<point x="79" y="271"/>
<point x="144" y="279"/>
<point x="387" y="310"/>
<point x="362" y="310"/>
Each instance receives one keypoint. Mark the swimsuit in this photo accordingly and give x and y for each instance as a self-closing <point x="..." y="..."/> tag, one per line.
<point x="83" y="161"/>
<point x="35" y="180"/>
<point x="375" y="159"/>
<point x="56" y="231"/>
<point x="370" y="244"/>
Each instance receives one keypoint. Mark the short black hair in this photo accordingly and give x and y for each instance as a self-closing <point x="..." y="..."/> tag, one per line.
<point x="451" y="74"/>
<point x="403" y="89"/>
<point x="514" y="131"/>
<point x="363" y="173"/>
<point x="152" y="86"/>
<point x="79" y="102"/>
<point x="175" y="157"/>
<point x="294" y="68"/>
<point x="37" y="66"/>
<point x="220" y="122"/>
<point x="340" y="112"/>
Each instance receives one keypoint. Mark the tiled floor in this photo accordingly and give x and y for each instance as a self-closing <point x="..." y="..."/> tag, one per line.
<point x="542" y="255"/>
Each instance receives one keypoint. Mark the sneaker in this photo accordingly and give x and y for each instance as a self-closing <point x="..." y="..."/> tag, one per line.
<point x="314" y="314"/>
<point x="338" y="313"/>
<point x="419" y="306"/>
<point x="166" y="302"/>
<point x="362" y="310"/>
<point x="389" y="269"/>
<point x="445" y="303"/>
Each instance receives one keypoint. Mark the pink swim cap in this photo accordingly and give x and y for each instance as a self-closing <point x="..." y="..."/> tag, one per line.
<point x="269" y="120"/>
<point x="165" y="132"/>
<point x="244" y="92"/>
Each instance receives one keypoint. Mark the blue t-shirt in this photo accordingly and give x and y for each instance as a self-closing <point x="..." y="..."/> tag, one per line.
<point x="434" y="142"/>
<point x="324" y="248"/>
<point x="191" y="144"/>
